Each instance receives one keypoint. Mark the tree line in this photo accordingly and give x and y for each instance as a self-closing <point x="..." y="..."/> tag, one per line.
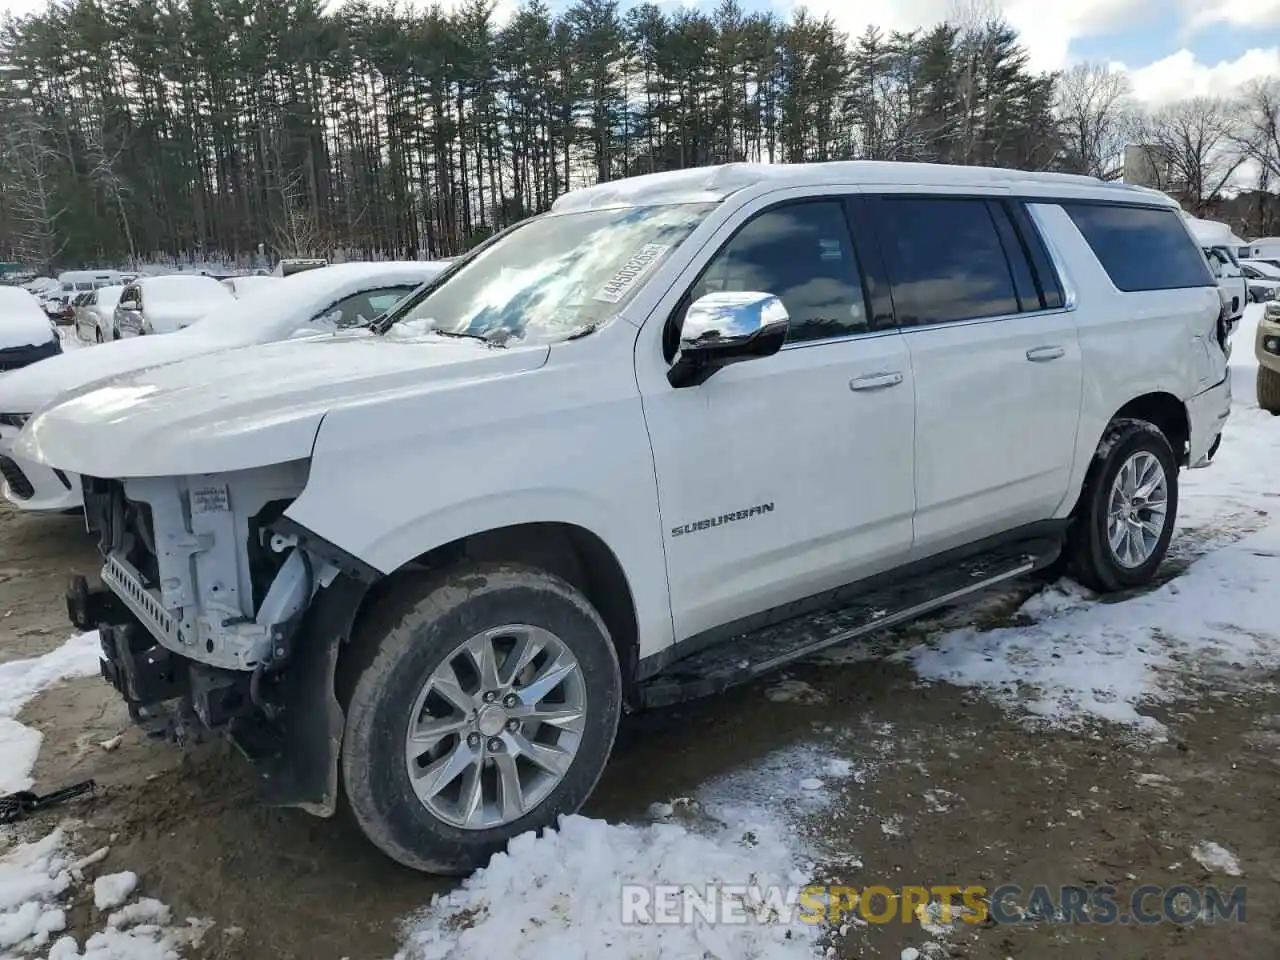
<point x="215" y="129"/>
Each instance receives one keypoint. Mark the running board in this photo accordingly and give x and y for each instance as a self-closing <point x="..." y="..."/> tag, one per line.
<point x="744" y="657"/>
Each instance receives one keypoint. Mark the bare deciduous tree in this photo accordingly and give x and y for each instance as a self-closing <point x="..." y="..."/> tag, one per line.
<point x="1259" y="140"/>
<point x="1091" y="102"/>
<point x="103" y="157"/>
<point x="295" y="232"/>
<point x="30" y="194"/>
<point x="1258" y="135"/>
<point x="1193" y="147"/>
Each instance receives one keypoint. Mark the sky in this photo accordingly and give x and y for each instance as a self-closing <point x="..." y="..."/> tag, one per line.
<point x="1171" y="48"/>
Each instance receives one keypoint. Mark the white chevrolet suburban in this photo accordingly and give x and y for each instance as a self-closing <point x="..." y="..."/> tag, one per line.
<point x="679" y="430"/>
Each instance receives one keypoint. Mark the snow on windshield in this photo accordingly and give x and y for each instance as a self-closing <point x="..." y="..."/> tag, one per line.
<point x="557" y="273"/>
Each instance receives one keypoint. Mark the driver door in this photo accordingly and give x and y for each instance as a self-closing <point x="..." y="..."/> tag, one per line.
<point x="782" y="476"/>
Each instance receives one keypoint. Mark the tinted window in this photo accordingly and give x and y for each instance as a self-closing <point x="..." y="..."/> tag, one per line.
<point x="801" y="253"/>
<point x="945" y="260"/>
<point x="1141" y="249"/>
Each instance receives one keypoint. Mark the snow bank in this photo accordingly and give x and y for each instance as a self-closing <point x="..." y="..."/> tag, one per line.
<point x="561" y="896"/>
<point x="1106" y="660"/>
<point x="20" y="681"/>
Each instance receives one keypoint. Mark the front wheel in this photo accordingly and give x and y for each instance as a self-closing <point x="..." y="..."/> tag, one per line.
<point x="1128" y="511"/>
<point x="483" y="704"/>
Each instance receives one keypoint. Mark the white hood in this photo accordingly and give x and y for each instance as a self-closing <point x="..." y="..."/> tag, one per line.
<point x="245" y="408"/>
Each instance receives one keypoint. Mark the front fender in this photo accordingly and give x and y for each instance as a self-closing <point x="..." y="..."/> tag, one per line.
<point x="297" y="758"/>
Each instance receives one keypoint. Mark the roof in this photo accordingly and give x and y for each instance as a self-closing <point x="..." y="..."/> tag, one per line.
<point x="715" y="183"/>
<point x="1213" y="233"/>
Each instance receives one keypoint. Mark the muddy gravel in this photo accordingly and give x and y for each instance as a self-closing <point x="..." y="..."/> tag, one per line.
<point x="956" y="792"/>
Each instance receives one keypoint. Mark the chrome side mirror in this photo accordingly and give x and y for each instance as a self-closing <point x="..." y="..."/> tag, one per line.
<point x="724" y="328"/>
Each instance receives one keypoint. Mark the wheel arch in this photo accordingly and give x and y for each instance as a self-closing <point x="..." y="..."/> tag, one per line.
<point x="572" y="552"/>
<point x="1161" y="409"/>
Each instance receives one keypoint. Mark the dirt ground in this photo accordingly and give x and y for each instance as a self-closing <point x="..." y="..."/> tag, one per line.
<point x="958" y="792"/>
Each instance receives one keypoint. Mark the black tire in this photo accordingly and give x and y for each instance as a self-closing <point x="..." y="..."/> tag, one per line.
<point x="411" y="631"/>
<point x="1090" y="558"/>
<point x="1268" y="388"/>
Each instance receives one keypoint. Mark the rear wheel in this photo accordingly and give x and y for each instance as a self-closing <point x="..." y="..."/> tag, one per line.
<point x="483" y="704"/>
<point x="1268" y="388"/>
<point x="1128" y="510"/>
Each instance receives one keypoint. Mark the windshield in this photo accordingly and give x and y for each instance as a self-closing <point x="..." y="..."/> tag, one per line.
<point x="554" y="275"/>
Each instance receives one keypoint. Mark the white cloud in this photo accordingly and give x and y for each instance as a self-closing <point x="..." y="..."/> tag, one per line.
<point x="1200" y="14"/>
<point x="1180" y="75"/>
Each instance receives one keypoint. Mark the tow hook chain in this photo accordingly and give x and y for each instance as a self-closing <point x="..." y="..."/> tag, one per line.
<point x="15" y="806"/>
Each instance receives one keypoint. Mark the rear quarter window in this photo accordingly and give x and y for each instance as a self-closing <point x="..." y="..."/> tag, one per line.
<point x="1141" y="248"/>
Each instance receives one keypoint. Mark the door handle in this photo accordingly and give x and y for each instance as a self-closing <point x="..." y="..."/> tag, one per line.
<point x="1040" y="354"/>
<point x="876" y="381"/>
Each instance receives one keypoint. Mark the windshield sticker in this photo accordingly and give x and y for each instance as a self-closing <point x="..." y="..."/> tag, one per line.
<point x="635" y="268"/>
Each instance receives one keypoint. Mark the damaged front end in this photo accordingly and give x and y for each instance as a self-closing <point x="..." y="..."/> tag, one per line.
<point x="217" y="614"/>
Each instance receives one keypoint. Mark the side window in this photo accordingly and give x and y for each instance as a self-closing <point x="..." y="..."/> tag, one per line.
<point x="945" y="260"/>
<point x="1141" y="248"/>
<point x="803" y="254"/>
<point x="360" y="307"/>
<point x="380" y="301"/>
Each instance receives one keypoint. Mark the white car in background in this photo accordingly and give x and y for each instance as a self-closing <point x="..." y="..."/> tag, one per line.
<point x="95" y="316"/>
<point x="166" y="304"/>
<point x="26" y="333"/>
<point x="1263" y="279"/>
<point x="240" y="286"/>
<point x="308" y="303"/>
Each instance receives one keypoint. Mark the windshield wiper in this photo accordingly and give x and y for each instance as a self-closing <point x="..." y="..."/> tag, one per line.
<point x="496" y="338"/>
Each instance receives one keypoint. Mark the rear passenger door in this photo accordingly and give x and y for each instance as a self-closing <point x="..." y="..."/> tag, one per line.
<point x="995" y="362"/>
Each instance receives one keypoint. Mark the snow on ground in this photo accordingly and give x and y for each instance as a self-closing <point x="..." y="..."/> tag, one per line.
<point x="69" y="339"/>
<point x="1216" y="858"/>
<point x="1082" y="659"/>
<point x="20" y="680"/>
<point x="562" y="895"/>
<point x="1109" y="660"/>
<point x="37" y="876"/>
